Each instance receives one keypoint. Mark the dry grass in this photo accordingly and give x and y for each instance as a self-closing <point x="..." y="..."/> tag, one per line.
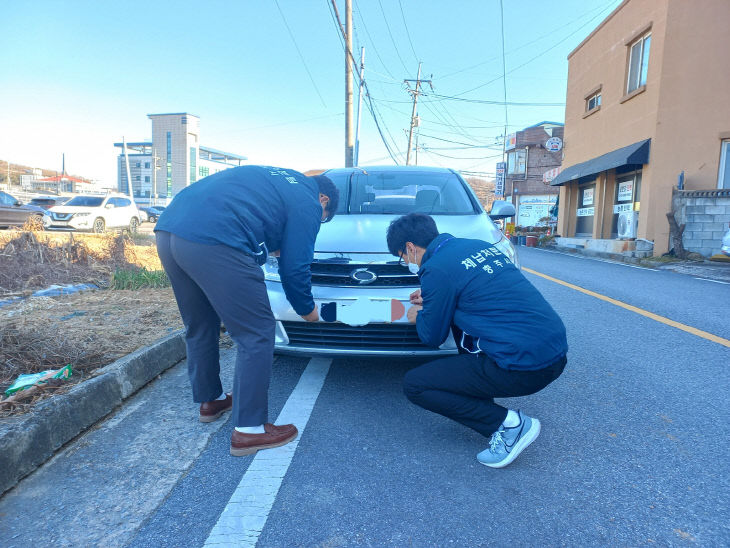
<point x="32" y="260"/>
<point x="88" y="330"/>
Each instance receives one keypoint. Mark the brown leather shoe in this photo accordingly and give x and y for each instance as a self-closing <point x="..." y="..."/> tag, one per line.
<point x="275" y="436"/>
<point x="211" y="410"/>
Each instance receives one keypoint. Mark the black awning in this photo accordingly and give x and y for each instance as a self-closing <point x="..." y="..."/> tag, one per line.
<point x="636" y="154"/>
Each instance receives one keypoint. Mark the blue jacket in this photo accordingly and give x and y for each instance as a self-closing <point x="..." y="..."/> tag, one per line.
<point x="471" y="284"/>
<point x="255" y="209"/>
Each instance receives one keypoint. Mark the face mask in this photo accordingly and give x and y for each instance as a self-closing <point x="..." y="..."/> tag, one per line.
<point x="412" y="266"/>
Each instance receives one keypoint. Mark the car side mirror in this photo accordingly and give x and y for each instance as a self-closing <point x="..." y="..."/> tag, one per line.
<point x="501" y="210"/>
<point x="17" y="203"/>
<point x="109" y="206"/>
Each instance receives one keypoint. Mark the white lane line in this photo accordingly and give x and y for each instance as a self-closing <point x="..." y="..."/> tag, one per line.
<point x="598" y="259"/>
<point x="713" y="281"/>
<point x="245" y="515"/>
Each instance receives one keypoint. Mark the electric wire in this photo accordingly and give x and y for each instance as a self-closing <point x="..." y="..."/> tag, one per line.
<point x="299" y="51"/>
<point x="387" y="25"/>
<point x="408" y="34"/>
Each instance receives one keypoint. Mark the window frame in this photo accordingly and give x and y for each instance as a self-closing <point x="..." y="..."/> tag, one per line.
<point x="515" y="154"/>
<point x="643" y="62"/>
<point x="596" y="92"/>
<point x="722" y="169"/>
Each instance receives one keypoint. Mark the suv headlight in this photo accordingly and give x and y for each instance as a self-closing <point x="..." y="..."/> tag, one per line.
<point x="82" y="214"/>
<point x="508" y="249"/>
<point x="271" y="269"/>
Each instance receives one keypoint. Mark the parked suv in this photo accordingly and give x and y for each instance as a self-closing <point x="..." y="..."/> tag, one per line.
<point x="14" y="213"/>
<point x="352" y="264"/>
<point x="94" y="213"/>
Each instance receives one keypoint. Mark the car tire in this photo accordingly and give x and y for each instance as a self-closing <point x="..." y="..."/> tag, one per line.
<point x="133" y="225"/>
<point x="153" y="219"/>
<point x="99" y="226"/>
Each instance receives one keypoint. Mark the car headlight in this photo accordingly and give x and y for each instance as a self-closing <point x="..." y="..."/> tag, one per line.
<point x="84" y="214"/>
<point x="271" y="269"/>
<point x="509" y="250"/>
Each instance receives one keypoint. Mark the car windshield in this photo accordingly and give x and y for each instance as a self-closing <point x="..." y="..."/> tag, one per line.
<point x="85" y="201"/>
<point x="398" y="193"/>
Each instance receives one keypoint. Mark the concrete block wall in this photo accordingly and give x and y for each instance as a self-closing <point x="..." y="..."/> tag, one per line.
<point x="706" y="214"/>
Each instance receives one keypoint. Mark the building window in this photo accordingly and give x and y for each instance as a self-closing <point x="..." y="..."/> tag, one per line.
<point x="638" y="63"/>
<point x="593" y="101"/>
<point x="137" y="178"/>
<point x="516" y="162"/>
<point x="138" y="164"/>
<point x="204" y="171"/>
<point x="723" y="177"/>
<point x="146" y="178"/>
<point x="147" y="165"/>
<point x="193" y="164"/>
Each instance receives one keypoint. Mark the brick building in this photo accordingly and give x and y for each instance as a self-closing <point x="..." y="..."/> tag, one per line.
<point x="533" y="159"/>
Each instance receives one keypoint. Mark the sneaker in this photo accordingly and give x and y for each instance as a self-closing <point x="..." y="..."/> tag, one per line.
<point x="507" y="443"/>
<point x="211" y="410"/>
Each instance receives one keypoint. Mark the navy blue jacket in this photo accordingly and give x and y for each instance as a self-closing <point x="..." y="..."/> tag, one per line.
<point x="471" y="284"/>
<point x="247" y="206"/>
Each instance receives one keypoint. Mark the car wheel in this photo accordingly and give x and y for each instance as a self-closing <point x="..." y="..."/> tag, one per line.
<point x="153" y="219"/>
<point x="99" y="225"/>
<point x="133" y="225"/>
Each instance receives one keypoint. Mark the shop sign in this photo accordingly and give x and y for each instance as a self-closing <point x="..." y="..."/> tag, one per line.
<point x="511" y="141"/>
<point x="620" y="208"/>
<point x="585" y="212"/>
<point x="550" y="174"/>
<point x="625" y="191"/>
<point x="554" y="144"/>
<point x="588" y="197"/>
<point x="499" y="183"/>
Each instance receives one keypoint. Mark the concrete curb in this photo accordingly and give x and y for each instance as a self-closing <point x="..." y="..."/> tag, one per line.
<point x="30" y="440"/>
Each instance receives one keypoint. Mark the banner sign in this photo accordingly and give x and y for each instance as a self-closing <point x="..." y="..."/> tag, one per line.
<point x="499" y="184"/>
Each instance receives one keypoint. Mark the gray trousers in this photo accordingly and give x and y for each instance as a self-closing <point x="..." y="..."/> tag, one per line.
<point x="213" y="283"/>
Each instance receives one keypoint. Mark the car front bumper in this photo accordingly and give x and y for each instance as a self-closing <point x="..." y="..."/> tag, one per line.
<point x="399" y="338"/>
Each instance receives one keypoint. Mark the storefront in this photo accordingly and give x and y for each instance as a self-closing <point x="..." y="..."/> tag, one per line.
<point x="532" y="210"/>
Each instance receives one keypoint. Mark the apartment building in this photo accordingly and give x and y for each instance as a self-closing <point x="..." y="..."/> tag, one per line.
<point x="646" y="110"/>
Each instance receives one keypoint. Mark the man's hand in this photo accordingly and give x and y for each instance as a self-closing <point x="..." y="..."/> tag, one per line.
<point x="413" y="312"/>
<point x="416" y="297"/>
<point x="313" y="316"/>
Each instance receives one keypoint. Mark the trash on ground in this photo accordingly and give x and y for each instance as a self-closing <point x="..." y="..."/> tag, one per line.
<point x="26" y="381"/>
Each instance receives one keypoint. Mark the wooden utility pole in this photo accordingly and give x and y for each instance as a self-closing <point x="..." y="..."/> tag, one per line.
<point x="349" y="111"/>
<point x="414" y="118"/>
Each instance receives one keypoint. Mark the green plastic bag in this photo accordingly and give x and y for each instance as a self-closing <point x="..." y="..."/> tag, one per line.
<point x="31" y="379"/>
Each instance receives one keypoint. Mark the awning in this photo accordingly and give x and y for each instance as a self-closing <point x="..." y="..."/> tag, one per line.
<point x="636" y="154"/>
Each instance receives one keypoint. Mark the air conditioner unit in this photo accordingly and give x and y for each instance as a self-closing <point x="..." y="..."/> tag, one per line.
<point x="628" y="221"/>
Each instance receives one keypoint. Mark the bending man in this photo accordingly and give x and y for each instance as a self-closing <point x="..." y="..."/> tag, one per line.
<point x="212" y="240"/>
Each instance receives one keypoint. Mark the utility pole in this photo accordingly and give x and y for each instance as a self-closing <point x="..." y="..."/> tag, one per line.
<point x="359" y="107"/>
<point x="129" y="175"/>
<point x="414" y="118"/>
<point x="153" y="194"/>
<point x="349" y="137"/>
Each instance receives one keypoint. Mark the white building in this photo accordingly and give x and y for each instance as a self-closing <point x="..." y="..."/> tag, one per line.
<point x="181" y="160"/>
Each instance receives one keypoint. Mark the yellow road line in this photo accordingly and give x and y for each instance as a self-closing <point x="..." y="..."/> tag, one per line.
<point x="656" y="317"/>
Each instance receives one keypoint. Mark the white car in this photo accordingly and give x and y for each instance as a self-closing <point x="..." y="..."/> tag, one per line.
<point x="94" y="214"/>
<point x="726" y="243"/>
<point x="352" y="265"/>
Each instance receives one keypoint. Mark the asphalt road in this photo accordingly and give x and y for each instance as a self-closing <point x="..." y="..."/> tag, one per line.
<point x="633" y="449"/>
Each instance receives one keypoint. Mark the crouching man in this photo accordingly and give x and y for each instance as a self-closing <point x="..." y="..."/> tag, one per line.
<point x="512" y="343"/>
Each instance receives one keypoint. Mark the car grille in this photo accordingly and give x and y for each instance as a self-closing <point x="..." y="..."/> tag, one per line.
<point x="383" y="336"/>
<point x="338" y="274"/>
<point x="61" y="216"/>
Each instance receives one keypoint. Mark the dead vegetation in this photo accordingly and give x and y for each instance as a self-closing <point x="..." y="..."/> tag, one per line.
<point x="87" y="330"/>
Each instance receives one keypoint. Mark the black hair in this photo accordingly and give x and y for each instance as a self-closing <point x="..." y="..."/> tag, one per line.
<point x="417" y="228"/>
<point x="328" y="188"/>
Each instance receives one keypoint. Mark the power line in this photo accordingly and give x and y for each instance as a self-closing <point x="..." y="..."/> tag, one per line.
<point x="600" y="14"/>
<point x="304" y="62"/>
<point x="504" y="77"/>
<point x="387" y="25"/>
<point x="523" y="46"/>
<point x="485" y="102"/>
<point x="408" y="34"/>
<point x="372" y="42"/>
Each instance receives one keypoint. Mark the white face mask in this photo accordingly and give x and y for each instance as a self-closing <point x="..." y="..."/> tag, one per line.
<point x="412" y="266"/>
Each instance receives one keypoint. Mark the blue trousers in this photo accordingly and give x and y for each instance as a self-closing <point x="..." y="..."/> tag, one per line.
<point x="213" y="283"/>
<point x="463" y="388"/>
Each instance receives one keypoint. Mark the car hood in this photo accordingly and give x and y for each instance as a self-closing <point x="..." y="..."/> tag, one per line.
<point x="366" y="233"/>
<point x="72" y="209"/>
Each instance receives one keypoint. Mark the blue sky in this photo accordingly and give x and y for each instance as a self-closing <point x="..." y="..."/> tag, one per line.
<point x="78" y="76"/>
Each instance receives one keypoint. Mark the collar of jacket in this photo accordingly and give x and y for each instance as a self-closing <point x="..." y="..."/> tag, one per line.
<point x="433" y="248"/>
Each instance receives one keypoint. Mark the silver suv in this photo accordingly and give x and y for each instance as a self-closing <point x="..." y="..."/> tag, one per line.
<point x="94" y="214"/>
<point x="352" y="265"/>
